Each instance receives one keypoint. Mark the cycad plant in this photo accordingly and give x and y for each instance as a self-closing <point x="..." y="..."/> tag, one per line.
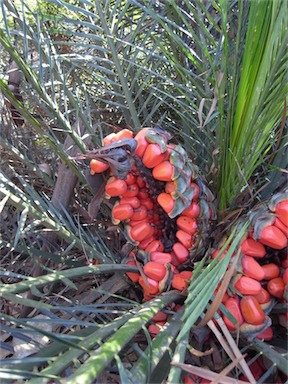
<point x="207" y="82"/>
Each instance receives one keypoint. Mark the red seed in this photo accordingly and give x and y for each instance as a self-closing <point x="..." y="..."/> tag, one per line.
<point x="148" y="203"/>
<point x="154" y="329"/>
<point x="188" y="380"/>
<point x="131" y="191"/>
<point x="130" y="179"/>
<point x="244" y="378"/>
<point x="163" y="171"/>
<point x="143" y="193"/>
<point x="276" y="287"/>
<point x="160" y="316"/>
<point x="271" y="271"/>
<point x="251" y="268"/>
<point x="156" y="218"/>
<point x="176" y="307"/>
<point x="124" y="134"/>
<point x="267" y="335"/>
<point x="248" y="286"/>
<point x="180" y="252"/>
<point x="98" y="166"/>
<point x="141" y="231"/>
<point x="115" y="187"/>
<point x="133" y="223"/>
<point x="140" y="182"/>
<point x="186" y="274"/>
<point x="153" y="156"/>
<point x="251" y="247"/>
<point x="282" y="212"/>
<point x="155" y="246"/>
<point x="109" y="139"/>
<point x="263" y="297"/>
<point x="132" y="275"/>
<point x="184" y="238"/>
<point x="234" y="308"/>
<point x="251" y="310"/>
<point x="133" y="201"/>
<point x="175" y="262"/>
<point x="122" y="211"/>
<point x="170" y="187"/>
<point x="151" y="221"/>
<point x="180" y="282"/>
<point x="145" y="243"/>
<point x="152" y="288"/>
<point x="273" y="237"/>
<point x="139" y="213"/>
<point x="154" y="270"/>
<point x="157" y="232"/>
<point x="278" y="223"/>
<point x="193" y="211"/>
<point x="93" y="262"/>
<point x="187" y="224"/>
<point x="161" y="257"/>
<point x="142" y="143"/>
<point x="166" y="202"/>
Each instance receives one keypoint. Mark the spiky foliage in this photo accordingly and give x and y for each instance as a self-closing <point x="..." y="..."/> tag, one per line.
<point x="90" y="68"/>
<point x="254" y="101"/>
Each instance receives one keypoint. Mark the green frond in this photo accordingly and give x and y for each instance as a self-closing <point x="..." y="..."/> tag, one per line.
<point x="254" y="90"/>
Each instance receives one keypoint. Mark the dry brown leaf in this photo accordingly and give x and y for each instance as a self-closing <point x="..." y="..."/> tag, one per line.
<point x="206" y="373"/>
<point x="200" y="112"/>
<point x="220" y="294"/>
<point x="200" y="353"/>
<point x="236" y="350"/>
<point x="221" y="339"/>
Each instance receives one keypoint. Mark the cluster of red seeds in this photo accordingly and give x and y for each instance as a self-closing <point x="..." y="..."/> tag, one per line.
<point x="259" y="281"/>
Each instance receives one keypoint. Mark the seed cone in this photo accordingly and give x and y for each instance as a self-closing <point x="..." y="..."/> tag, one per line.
<point x="163" y="187"/>
<point x="166" y="209"/>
